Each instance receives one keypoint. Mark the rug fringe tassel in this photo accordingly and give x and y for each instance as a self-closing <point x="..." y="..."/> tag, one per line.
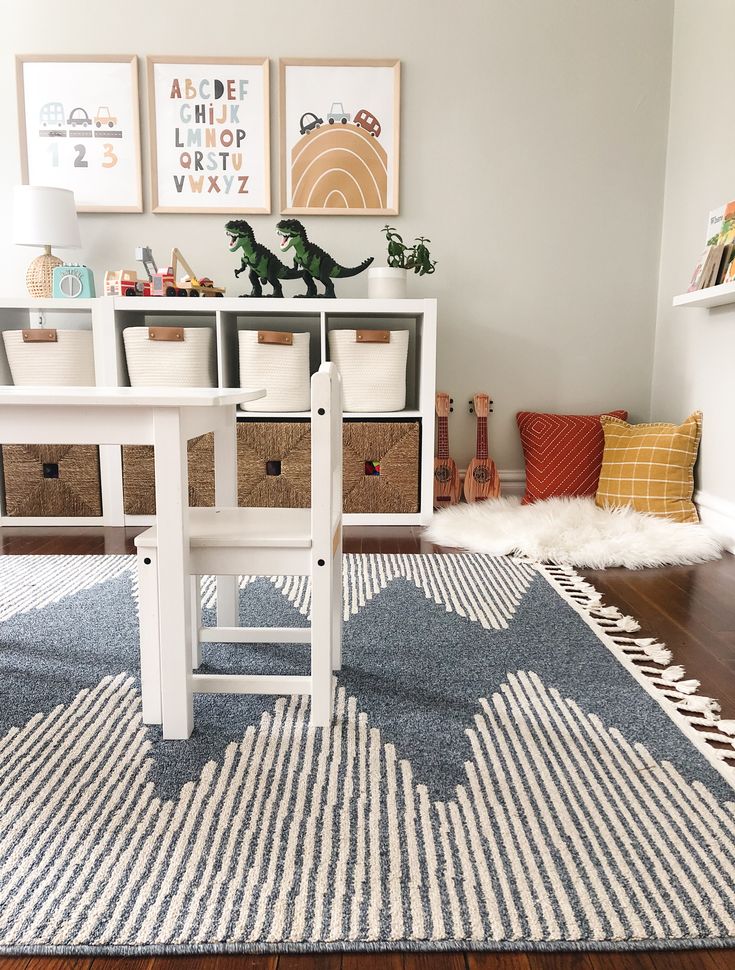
<point x="659" y="653"/>
<point x="626" y="624"/>
<point x="672" y="674"/>
<point x="688" y="686"/>
<point x="701" y="705"/>
<point x="701" y="713"/>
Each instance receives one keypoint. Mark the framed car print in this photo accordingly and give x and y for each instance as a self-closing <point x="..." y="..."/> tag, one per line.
<point x="79" y="128"/>
<point x="209" y="134"/>
<point x="339" y="136"/>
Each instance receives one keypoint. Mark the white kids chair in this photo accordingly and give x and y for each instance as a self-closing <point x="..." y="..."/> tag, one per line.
<point x="227" y="542"/>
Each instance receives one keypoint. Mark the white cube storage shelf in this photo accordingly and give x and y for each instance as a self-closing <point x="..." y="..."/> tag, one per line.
<point x="107" y="317"/>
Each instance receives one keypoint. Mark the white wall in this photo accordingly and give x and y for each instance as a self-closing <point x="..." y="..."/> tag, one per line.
<point x="695" y="349"/>
<point x="533" y="140"/>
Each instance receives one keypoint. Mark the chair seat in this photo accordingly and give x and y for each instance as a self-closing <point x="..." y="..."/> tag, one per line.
<point x="242" y="528"/>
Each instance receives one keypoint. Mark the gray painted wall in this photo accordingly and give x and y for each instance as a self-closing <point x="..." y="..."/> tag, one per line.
<point x="533" y="153"/>
<point x="695" y="349"/>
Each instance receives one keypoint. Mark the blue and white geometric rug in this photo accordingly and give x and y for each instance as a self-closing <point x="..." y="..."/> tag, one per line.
<point x="509" y="767"/>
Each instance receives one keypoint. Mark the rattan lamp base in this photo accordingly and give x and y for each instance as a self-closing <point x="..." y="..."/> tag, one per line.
<point x="39" y="276"/>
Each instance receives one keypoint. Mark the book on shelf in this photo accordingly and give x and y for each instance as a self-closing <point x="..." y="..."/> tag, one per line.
<point x="716" y="262"/>
<point x="727" y="273"/>
<point x="712" y="270"/>
<point x="698" y="276"/>
<point x="721" y="225"/>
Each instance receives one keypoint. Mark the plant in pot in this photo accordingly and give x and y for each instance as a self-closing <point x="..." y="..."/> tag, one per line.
<point x="389" y="282"/>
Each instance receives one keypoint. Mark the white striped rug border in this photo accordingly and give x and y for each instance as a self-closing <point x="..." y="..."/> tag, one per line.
<point x="654" y="667"/>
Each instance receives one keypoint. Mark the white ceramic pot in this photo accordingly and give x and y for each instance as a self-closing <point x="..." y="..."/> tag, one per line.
<point x="387" y="283"/>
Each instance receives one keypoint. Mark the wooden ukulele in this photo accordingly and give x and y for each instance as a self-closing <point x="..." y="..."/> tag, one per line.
<point x="447" y="486"/>
<point x="481" y="480"/>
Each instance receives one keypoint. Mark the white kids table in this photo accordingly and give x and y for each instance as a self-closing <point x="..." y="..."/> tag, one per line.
<point x="166" y="418"/>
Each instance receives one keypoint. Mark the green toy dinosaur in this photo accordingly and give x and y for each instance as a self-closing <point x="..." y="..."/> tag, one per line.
<point x="263" y="265"/>
<point x="315" y="264"/>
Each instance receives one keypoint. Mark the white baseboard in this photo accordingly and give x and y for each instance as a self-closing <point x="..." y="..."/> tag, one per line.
<point x="512" y="480"/>
<point x="718" y="514"/>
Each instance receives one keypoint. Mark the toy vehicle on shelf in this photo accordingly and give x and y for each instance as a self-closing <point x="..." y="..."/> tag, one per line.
<point x="363" y="119"/>
<point x="166" y="284"/>
<point x="125" y="282"/>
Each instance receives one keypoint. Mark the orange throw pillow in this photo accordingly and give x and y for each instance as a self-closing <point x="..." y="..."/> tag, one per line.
<point x="563" y="453"/>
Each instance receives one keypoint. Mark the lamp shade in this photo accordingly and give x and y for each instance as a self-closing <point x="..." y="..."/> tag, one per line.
<point x="45" y="216"/>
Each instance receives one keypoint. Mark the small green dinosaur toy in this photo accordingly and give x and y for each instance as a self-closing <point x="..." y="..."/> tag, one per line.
<point x="314" y="262"/>
<point x="264" y="266"/>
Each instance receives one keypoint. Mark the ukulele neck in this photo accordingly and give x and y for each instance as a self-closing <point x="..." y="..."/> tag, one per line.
<point x="442" y="447"/>
<point x="481" y="448"/>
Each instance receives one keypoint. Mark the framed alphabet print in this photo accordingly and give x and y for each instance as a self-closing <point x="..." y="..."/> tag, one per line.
<point x="79" y="128"/>
<point x="339" y="146"/>
<point x="209" y="134"/>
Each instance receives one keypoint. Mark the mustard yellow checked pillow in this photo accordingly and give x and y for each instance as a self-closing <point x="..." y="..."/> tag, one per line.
<point x="650" y="467"/>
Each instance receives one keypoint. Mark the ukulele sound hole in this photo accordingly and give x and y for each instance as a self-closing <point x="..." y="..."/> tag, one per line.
<point x="481" y="475"/>
<point x="442" y="474"/>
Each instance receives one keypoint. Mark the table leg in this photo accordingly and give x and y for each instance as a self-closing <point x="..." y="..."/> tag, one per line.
<point x="225" y="496"/>
<point x="174" y="588"/>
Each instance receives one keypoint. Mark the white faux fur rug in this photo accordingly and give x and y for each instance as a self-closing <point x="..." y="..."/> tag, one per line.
<point x="572" y="532"/>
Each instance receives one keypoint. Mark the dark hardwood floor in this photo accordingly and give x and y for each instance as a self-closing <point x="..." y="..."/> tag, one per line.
<point x="691" y="608"/>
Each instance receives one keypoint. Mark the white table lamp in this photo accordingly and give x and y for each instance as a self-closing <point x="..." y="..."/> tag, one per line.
<point x="45" y="217"/>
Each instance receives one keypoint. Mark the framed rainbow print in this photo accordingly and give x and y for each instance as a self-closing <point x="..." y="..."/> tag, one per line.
<point x="339" y="136"/>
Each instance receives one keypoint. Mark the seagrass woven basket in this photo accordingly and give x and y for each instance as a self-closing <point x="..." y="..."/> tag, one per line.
<point x="381" y="466"/>
<point x="170" y="356"/>
<point x="274" y="464"/>
<point x="139" y="487"/>
<point x="49" y="480"/>
<point x="63" y="358"/>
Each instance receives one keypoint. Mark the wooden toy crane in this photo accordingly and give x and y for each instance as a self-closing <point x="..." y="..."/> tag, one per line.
<point x="164" y="283"/>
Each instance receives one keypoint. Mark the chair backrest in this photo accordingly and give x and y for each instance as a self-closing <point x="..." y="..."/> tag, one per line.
<point x="326" y="451"/>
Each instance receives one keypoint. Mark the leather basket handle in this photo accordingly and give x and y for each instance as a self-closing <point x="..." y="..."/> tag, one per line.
<point x="372" y="336"/>
<point x="275" y="337"/>
<point x="40" y="335"/>
<point x="166" y="333"/>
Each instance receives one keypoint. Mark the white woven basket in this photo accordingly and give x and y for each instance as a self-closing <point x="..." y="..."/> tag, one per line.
<point x="373" y="374"/>
<point x="282" y="369"/>
<point x="65" y="362"/>
<point x="171" y="363"/>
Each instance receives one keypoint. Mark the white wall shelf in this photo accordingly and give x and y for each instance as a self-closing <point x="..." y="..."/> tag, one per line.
<point x="712" y="296"/>
<point x="108" y="316"/>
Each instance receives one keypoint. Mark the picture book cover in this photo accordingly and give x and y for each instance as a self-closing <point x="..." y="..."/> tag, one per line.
<point x="721" y="225"/>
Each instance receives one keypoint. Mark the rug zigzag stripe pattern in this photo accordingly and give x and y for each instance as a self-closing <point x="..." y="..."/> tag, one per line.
<point x="563" y="830"/>
<point x="459" y="584"/>
<point x="698" y="714"/>
<point x="32" y="582"/>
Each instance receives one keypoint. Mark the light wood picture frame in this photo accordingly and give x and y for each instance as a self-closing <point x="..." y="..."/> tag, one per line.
<point x="202" y="113"/>
<point x="79" y="127"/>
<point x="339" y="126"/>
